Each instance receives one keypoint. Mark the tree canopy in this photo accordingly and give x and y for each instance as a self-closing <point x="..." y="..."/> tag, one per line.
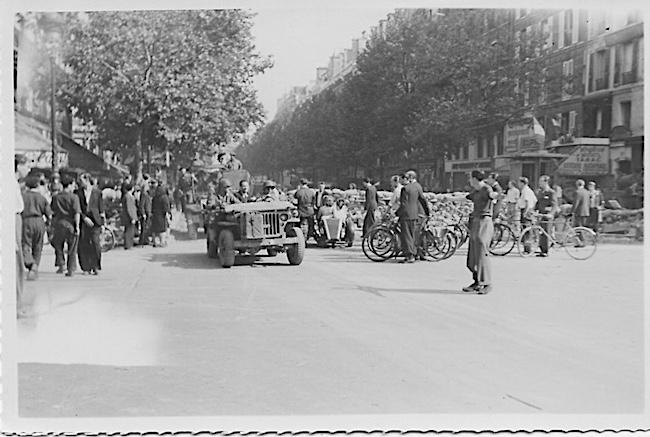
<point x="419" y="92"/>
<point x="175" y="80"/>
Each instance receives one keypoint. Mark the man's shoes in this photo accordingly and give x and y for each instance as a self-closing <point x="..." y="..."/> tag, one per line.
<point x="60" y="269"/>
<point x="471" y="287"/>
<point x="409" y="260"/>
<point x="542" y="255"/>
<point x="69" y="274"/>
<point x="94" y="272"/>
<point x="483" y="289"/>
<point x="422" y="258"/>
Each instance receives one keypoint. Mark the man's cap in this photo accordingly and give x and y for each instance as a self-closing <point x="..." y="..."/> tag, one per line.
<point x="304" y="181"/>
<point x="269" y="184"/>
<point x="225" y="183"/>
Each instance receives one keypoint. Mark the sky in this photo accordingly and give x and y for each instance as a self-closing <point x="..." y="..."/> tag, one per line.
<point x="302" y="39"/>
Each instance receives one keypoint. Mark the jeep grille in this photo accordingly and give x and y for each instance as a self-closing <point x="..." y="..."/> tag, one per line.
<point x="271" y="224"/>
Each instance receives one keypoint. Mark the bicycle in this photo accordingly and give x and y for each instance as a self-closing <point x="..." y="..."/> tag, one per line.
<point x="504" y="239"/>
<point x="580" y="242"/>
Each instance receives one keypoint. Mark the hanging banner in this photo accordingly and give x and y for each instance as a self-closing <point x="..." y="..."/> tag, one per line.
<point x="586" y="161"/>
<point x="524" y="136"/>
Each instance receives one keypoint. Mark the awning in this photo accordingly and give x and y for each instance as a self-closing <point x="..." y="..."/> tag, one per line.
<point x="537" y="154"/>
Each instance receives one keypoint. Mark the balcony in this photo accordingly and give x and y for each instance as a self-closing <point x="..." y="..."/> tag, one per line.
<point x="601" y="84"/>
<point x="628" y="77"/>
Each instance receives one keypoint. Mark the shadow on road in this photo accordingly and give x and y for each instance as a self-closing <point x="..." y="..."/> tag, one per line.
<point x="184" y="236"/>
<point x="377" y="291"/>
<point x="185" y="260"/>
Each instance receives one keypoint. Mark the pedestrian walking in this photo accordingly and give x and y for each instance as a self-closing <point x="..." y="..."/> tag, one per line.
<point x="596" y="203"/>
<point x="160" y="208"/>
<point x="21" y="170"/>
<point x="129" y="216"/>
<point x="144" y="213"/>
<point x="66" y="214"/>
<point x="305" y="199"/>
<point x="89" y="249"/>
<point x="547" y="206"/>
<point x="371" y="203"/>
<point x="580" y="207"/>
<point x="480" y="236"/>
<point x="36" y="216"/>
<point x="412" y="204"/>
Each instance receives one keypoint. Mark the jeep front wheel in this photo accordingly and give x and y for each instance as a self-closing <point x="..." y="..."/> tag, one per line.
<point x="296" y="252"/>
<point x="212" y="247"/>
<point x="226" y="248"/>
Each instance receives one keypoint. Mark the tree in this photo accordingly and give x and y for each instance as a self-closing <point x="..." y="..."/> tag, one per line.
<point x="178" y="79"/>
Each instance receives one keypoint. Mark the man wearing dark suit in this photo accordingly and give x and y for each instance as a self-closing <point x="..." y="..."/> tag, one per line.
<point x="412" y="204"/>
<point x="580" y="208"/>
<point x="319" y="195"/>
<point x="372" y="200"/>
<point x="144" y="214"/>
<point x="129" y="216"/>
<point x="243" y="194"/>
<point x="92" y="219"/>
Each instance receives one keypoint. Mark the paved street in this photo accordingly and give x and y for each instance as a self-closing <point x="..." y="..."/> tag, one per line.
<point x="167" y="332"/>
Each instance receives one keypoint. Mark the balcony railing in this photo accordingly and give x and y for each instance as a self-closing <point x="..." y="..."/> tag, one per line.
<point x="601" y="84"/>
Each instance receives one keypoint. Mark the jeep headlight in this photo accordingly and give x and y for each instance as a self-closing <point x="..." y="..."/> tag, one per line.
<point x="284" y="217"/>
<point x="294" y="213"/>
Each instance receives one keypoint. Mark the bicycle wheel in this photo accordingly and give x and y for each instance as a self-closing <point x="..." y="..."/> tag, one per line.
<point x="379" y="245"/>
<point x="451" y="244"/>
<point x="503" y="240"/>
<point x="437" y="246"/>
<point x="106" y="239"/>
<point x="528" y="243"/>
<point x="580" y="243"/>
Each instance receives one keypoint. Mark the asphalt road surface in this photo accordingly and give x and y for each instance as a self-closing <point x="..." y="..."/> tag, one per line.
<point x="167" y="332"/>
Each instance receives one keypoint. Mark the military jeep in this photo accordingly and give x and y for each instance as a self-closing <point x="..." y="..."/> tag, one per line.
<point x="247" y="228"/>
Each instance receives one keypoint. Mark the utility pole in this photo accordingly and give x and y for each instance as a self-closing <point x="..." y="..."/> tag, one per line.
<point x="55" y="155"/>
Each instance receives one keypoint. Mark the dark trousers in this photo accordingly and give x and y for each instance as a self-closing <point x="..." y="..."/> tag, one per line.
<point x="129" y="233"/>
<point x="145" y="231"/>
<point x="592" y="221"/>
<point x="368" y="221"/>
<point x="90" y="249"/>
<point x="32" y="241"/>
<point x="20" y="265"/>
<point x="580" y="220"/>
<point x="543" y="239"/>
<point x="478" y="261"/>
<point x="408" y="237"/>
<point x="65" y="237"/>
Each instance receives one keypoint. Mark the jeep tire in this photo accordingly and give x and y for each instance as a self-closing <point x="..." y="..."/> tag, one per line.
<point x="296" y="252"/>
<point x="212" y="247"/>
<point x="226" y="248"/>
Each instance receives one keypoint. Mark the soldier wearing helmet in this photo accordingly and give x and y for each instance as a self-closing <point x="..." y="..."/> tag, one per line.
<point x="224" y="195"/>
<point x="271" y="192"/>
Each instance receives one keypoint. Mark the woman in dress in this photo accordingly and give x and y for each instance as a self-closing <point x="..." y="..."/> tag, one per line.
<point x="160" y="209"/>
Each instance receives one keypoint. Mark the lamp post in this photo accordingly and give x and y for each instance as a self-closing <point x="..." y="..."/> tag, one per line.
<point x="55" y="155"/>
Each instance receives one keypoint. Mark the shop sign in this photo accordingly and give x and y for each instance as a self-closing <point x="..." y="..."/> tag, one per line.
<point x="586" y="160"/>
<point x="472" y="165"/>
<point x="524" y="136"/>
<point x="43" y="159"/>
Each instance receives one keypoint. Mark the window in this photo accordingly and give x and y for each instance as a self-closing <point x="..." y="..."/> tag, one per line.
<point x="599" y="70"/>
<point x="479" y="147"/>
<point x="565" y="123"/>
<point x="490" y="151"/>
<point x="568" y="27"/>
<point x="567" y="78"/>
<point x="626" y="113"/>
<point x="466" y="151"/>
<point x="547" y="34"/>
<point x="572" y="123"/>
<point x="599" y="120"/>
<point x="500" y="143"/>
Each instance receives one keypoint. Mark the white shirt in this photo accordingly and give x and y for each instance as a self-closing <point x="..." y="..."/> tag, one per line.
<point x="394" y="200"/>
<point x="20" y="205"/>
<point x="527" y="199"/>
<point x="513" y="195"/>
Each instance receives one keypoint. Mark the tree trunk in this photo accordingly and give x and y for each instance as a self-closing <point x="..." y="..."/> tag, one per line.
<point x="136" y="169"/>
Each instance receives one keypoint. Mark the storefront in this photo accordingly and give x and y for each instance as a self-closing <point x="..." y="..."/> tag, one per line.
<point x="457" y="172"/>
<point x="31" y="139"/>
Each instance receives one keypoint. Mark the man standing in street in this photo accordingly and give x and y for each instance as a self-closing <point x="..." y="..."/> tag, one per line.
<point x="580" y="208"/>
<point x="129" y="216"/>
<point x="36" y="207"/>
<point x="144" y="214"/>
<point x="66" y="213"/>
<point x="92" y="218"/>
<point x="547" y="206"/>
<point x="396" y="185"/>
<point x="526" y="204"/>
<point x="305" y="199"/>
<point x="243" y="194"/>
<point x="318" y="197"/>
<point x="491" y="180"/>
<point x="371" y="203"/>
<point x="412" y="202"/>
<point x="21" y="170"/>
<point x="481" y="230"/>
<point x="596" y="203"/>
